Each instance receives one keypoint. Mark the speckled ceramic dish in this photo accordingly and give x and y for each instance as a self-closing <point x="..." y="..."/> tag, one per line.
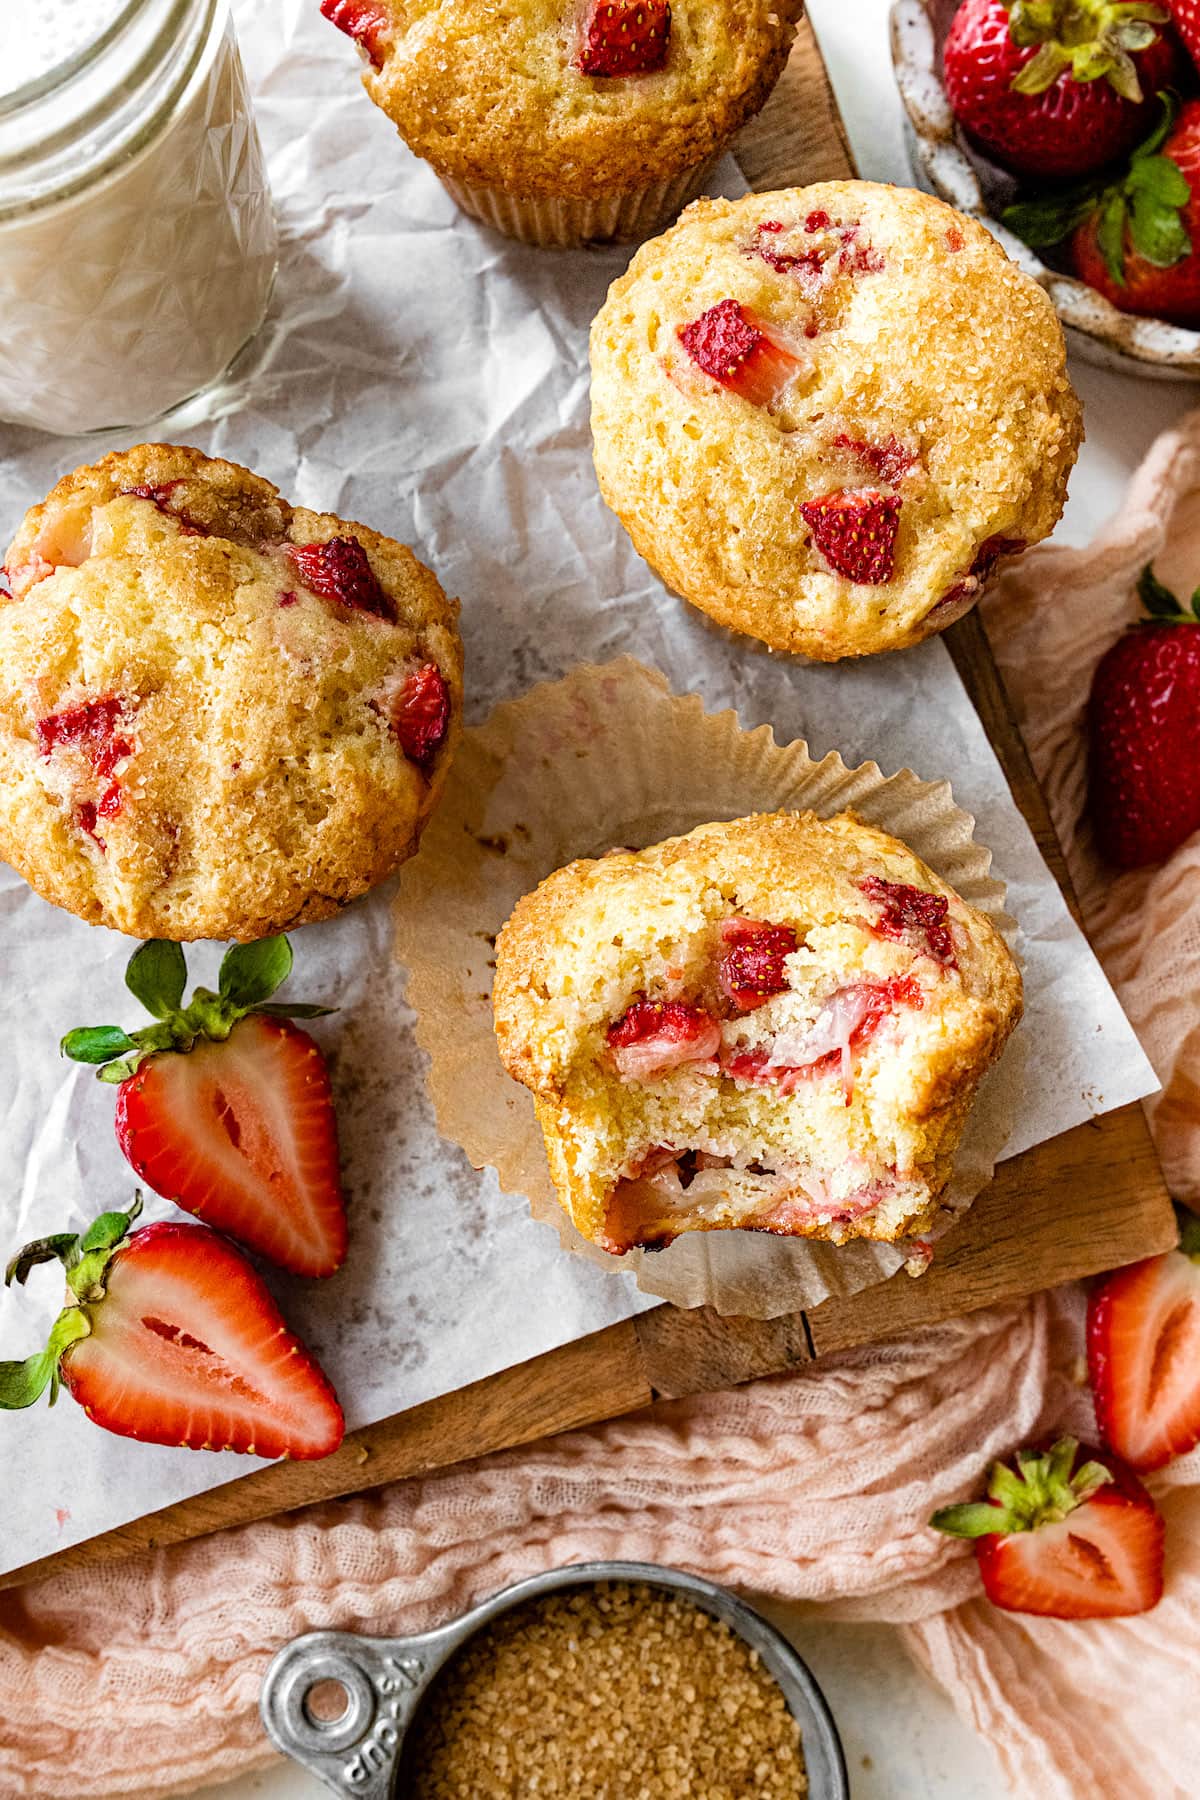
<point x="1096" y="330"/>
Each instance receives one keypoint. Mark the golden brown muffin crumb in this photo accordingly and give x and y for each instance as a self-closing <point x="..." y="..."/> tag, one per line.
<point x="825" y="415"/>
<point x="220" y="715"/>
<point x="773" y="1024"/>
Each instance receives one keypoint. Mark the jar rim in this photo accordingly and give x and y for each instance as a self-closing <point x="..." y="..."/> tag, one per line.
<point x="61" y="74"/>
<point x="95" y="110"/>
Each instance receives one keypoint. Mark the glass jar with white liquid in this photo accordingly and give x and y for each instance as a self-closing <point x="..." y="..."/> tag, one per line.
<point x="137" y="236"/>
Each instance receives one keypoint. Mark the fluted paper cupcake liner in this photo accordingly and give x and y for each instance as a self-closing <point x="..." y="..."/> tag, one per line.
<point x="610" y="756"/>
<point x="563" y="224"/>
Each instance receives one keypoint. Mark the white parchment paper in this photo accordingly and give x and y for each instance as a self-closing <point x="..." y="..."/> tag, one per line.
<point x="424" y="376"/>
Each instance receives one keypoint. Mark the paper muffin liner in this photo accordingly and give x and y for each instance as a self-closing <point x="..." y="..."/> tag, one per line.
<point x="609" y="756"/>
<point x="563" y="224"/>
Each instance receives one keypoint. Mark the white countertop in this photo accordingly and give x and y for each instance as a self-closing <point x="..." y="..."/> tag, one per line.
<point x="901" y="1736"/>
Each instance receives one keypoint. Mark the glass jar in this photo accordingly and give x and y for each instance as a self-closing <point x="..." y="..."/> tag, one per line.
<point x="137" y="237"/>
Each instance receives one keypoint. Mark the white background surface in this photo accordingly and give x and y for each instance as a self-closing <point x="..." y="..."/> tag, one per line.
<point x="902" y="1740"/>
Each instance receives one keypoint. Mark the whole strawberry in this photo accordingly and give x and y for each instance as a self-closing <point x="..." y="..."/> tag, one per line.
<point x="1055" y="88"/>
<point x="1070" y="1533"/>
<point x="1139" y="244"/>
<point x="1143" y="721"/>
<point x="224" y="1105"/>
<point x="1185" y="17"/>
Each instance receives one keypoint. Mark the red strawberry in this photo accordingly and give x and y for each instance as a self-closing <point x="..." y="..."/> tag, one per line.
<point x="1185" y="16"/>
<point x="847" y="1022"/>
<point x="855" y="531"/>
<point x="420" y="714"/>
<point x="911" y="915"/>
<point x="169" y="1335"/>
<point x="732" y="346"/>
<point x="160" y="496"/>
<point x="368" y="25"/>
<point x="340" y="570"/>
<point x="751" y="968"/>
<point x="225" y="1106"/>
<point x="1143" y="715"/>
<point x="889" y="461"/>
<point x="625" y="37"/>
<point x="1055" y="88"/>
<point x="655" y="1036"/>
<point x="1143" y="1340"/>
<point x="1139" y="243"/>
<point x="89" y="727"/>
<point x="1071" y="1534"/>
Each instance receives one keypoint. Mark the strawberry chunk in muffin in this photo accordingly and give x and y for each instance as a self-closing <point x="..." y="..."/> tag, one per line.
<point x="752" y="1028"/>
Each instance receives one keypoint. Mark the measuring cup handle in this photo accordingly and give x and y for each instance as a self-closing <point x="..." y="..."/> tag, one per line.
<point x="356" y="1754"/>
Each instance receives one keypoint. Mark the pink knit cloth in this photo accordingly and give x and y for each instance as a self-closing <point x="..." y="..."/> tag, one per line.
<point x="143" y="1679"/>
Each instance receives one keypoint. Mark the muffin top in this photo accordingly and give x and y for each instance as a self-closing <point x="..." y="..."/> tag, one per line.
<point x="825" y="414"/>
<point x="220" y="716"/>
<point x="569" y="97"/>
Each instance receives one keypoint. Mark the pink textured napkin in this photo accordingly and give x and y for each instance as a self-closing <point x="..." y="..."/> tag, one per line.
<point x="143" y="1679"/>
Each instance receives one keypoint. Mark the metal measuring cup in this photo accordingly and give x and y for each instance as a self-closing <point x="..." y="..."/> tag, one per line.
<point x="358" y="1754"/>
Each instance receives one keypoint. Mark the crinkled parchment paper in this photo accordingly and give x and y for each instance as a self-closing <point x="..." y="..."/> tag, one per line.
<point x="431" y="379"/>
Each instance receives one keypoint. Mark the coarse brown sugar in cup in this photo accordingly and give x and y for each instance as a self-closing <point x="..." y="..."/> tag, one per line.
<point x="618" y="1688"/>
<point x="561" y="121"/>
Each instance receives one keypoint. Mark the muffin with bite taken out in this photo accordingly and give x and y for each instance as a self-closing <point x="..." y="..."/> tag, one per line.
<point x="561" y="122"/>
<point x="826" y="415"/>
<point x="221" y="716"/>
<point x="776" y="1024"/>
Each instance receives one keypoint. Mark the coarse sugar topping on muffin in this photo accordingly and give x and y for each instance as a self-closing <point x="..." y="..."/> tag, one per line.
<point x="775" y="1024"/>
<point x="579" y="98"/>
<point x="220" y="715"/>
<point x="825" y="415"/>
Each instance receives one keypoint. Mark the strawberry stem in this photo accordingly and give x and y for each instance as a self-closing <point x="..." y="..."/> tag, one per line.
<point x="1094" y="39"/>
<point x="1143" y="206"/>
<point x="1189" y="1232"/>
<point x="85" y="1257"/>
<point x="1044" y="1488"/>
<point x="157" y="976"/>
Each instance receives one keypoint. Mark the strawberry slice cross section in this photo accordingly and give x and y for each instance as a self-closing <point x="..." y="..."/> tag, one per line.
<point x="224" y="1104"/>
<point x="169" y="1335"/>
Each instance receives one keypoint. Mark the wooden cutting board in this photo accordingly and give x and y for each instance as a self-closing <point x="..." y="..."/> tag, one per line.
<point x="1091" y="1199"/>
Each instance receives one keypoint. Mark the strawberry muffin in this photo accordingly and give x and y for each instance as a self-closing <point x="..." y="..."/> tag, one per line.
<point x="567" y="121"/>
<point x="220" y="715"/>
<point x="825" y="415"/>
<point x="776" y="1024"/>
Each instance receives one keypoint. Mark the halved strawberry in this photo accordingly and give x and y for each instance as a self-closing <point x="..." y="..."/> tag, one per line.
<point x="737" y="350"/>
<point x="367" y="24"/>
<point x="750" y="968"/>
<point x="168" y="1335"/>
<point x="655" y="1036"/>
<point x="225" y="1106"/>
<point x="420" y="714"/>
<point x="1071" y="1534"/>
<point x="1143" y="1343"/>
<point x="340" y="570"/>
<point x="625" y="37"/>
<point x="855" y="531"/>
